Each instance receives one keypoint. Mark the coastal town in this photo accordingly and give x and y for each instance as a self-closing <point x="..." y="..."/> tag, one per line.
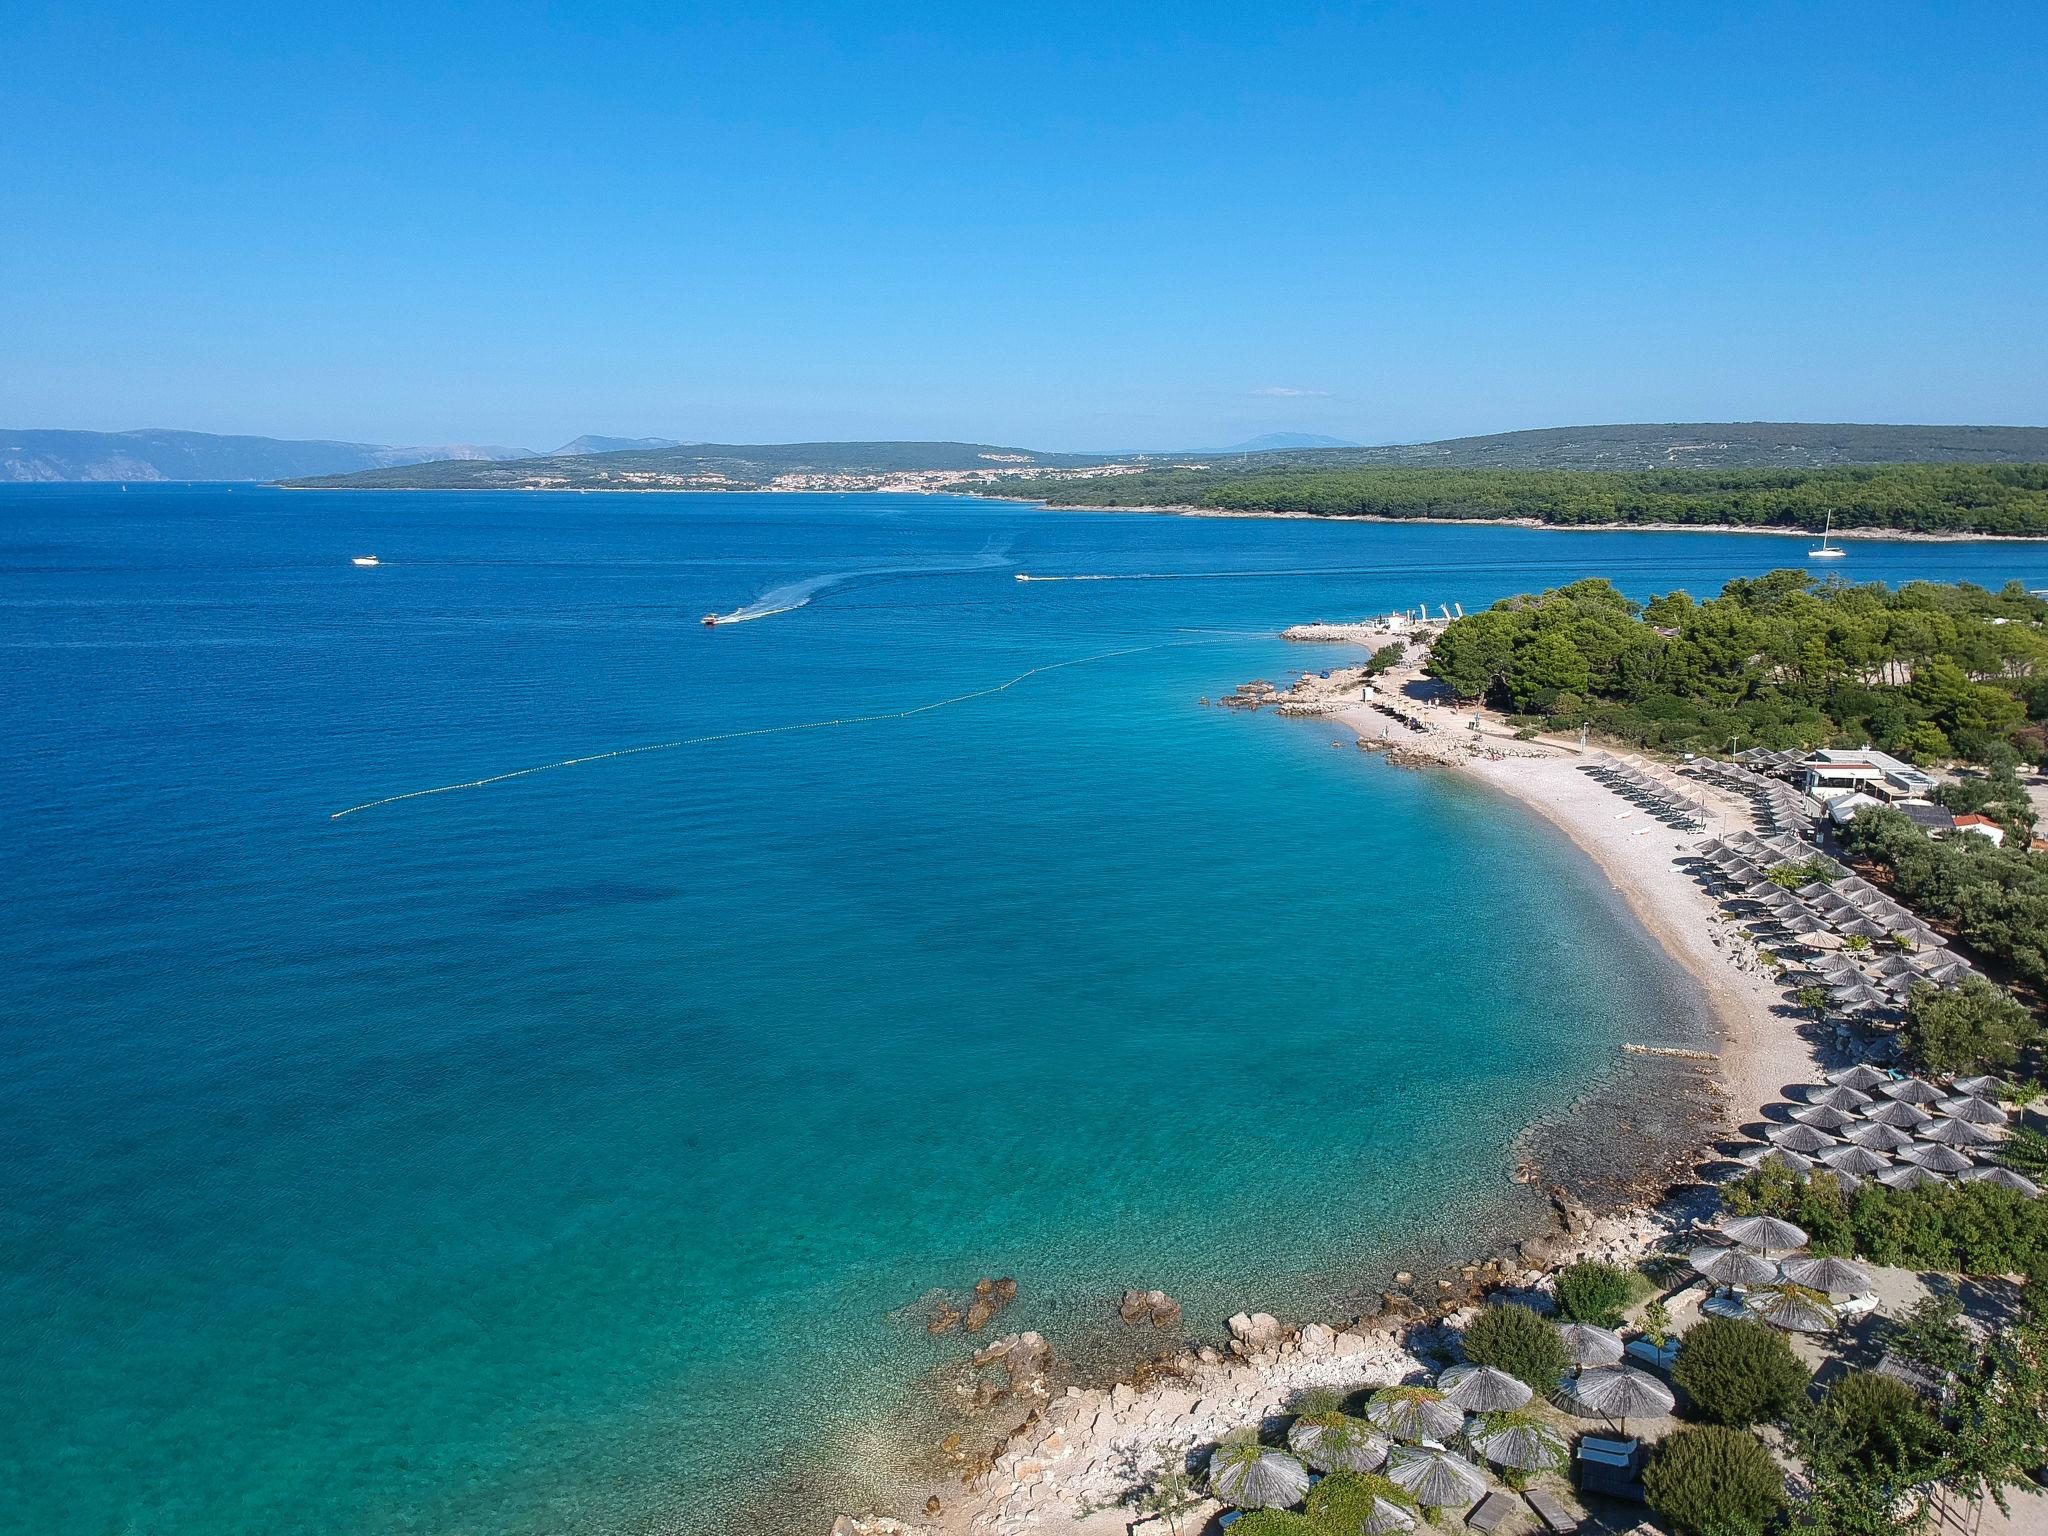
<point x="1414" y="1416"/>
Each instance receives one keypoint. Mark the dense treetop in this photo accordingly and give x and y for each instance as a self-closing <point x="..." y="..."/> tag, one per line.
<point x="1931" y="672"/>
<point x="2009" y="499"/>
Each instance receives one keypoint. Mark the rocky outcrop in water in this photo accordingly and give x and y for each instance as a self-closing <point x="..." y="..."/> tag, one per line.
<point x="1154" y="1307"/>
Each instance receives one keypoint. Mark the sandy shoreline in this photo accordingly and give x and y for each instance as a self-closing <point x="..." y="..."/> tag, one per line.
<point x="1063" y="1471"/>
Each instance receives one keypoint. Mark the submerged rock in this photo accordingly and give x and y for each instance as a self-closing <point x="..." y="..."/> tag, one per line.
<point x="1154" y="1307"/>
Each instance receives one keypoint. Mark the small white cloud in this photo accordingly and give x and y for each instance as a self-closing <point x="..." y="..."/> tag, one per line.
<point x="1281" y="392"/>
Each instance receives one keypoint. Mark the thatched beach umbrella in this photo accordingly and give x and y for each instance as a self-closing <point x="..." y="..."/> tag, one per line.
<point x="1912" y="1090"/>
<point x="1918" y="934"/>
<point x="1910" y="1176"/>
<point x="2004" y="1178"/>
<point x="1622" y="1392"/>
<point x="1482" y="1389"/>
<point x="1521" y="1442"/>
<point x="1797" y="1308"/>
<point x="1800" y="1138"/>
<point x="1900" y="1116"/>
<point x="1248" y="1475"/>
<point x="1824" y="1117"/>
<point x="1386" y="1516"/>
<point x="1877" y="1137"/>
<point x="1836" y="1277"/>
<point x="1802" y="924"/>
<point x="1414" y="1413"/>
<point x="1857" y="1162"/>
<point x="1935" y="1158"/>
<point x="1764" y="1233"/>
<point x="1589" y="1344"/>
<point x="1336" y="1442"/>
<point x="1974" y="1110"/>
<point x="1980" y="1087"/>
<point x="1437" y="1479"/>
<point x="1837" y="1096"/>
<point x="1732" y="1266"/>
<point x="1955" y="1133"/>
<point x="1779" y="1157"/>
<point x="1862" y="1077"/>
<point x="1856" y="994"/>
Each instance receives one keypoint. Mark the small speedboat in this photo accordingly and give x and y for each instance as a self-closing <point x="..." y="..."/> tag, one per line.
<point x="366" y="560"/>
<point x="710" y="618"/>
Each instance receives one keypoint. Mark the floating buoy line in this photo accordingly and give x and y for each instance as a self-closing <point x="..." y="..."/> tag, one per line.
<point x="771" y="730"/>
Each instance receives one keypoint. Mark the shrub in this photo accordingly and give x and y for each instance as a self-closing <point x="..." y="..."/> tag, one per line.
<point x="1882" y="1426"/>
<point x="1514" y="1339"/>
<point x="1342" y="1501"/>
<point x="1714" y="1482"/>
<point x="1275" y="1522"/>
<point x="1976" y="1027"/>
<point x="1974" y="1229"/>
<point x="1739" y="1372"/>
<point x="1934" y="1337"/>
<point x="1595" y="1293"/>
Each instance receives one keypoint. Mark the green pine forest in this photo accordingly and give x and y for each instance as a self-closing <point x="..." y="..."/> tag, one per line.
<point x="1939" y="674"/>
<point x="1931" y="672"/>
<point x="2005" y="499"/>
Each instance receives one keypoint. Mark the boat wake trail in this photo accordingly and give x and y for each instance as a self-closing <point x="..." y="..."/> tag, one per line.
<point x="768" y="730"/>
<point x="796" y="594"/>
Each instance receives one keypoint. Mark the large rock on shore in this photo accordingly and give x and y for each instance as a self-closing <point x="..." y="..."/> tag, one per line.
<point x="1025" y="1357"/>
<point x="1254" y="1332"/>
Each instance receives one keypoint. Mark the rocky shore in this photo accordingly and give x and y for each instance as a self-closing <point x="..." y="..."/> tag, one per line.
<point x="1080" y="1455"/>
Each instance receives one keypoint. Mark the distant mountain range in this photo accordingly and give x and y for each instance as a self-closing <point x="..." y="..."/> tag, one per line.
<point x="1690" y="445"/>
<point x="653" y="463"/>
<point x="928" y="465"/>
<point x="157" y="453"/>
<point x="588" y="444"/>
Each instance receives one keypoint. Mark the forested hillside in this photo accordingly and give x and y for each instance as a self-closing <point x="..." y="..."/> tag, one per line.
<point x="2010" y="499"/>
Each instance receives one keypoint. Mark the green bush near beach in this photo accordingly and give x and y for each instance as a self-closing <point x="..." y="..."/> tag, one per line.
<point x="1882" y="1425"/>
<point x="1513" y="1338"/>
<point x="1342" y="1502"/>
<point x="1976" y="1027"/>
<point x="1714" y="1482"/>
<point x="1739" y="1373"/>
<point x="1973" y="1229"/>
<point x="1598" y="1293"/>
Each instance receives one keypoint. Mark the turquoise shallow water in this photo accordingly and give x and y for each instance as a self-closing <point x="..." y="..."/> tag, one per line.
<point x="556" y="1154"/>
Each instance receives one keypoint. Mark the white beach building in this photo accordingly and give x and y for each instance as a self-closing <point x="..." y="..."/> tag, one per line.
<point x="1831" y="773"/>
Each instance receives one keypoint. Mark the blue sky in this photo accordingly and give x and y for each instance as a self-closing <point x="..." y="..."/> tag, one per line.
<point x="1067" y="227"/>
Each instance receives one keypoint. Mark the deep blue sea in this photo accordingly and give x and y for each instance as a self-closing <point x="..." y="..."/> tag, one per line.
<point x="562" y="1153"/>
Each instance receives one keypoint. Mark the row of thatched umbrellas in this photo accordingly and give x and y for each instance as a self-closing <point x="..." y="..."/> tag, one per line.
<point x="1774" y="805"/>
<point x="1403" y="1429"/>
<point x="1667" y="803"/>
<point x="1906" y="1132"/>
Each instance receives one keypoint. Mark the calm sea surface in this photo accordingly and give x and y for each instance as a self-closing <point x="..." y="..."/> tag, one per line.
<point x="559" y="1154"/>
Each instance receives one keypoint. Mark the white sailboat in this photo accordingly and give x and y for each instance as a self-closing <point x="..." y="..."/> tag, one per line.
<point x="1827" y="551"/>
